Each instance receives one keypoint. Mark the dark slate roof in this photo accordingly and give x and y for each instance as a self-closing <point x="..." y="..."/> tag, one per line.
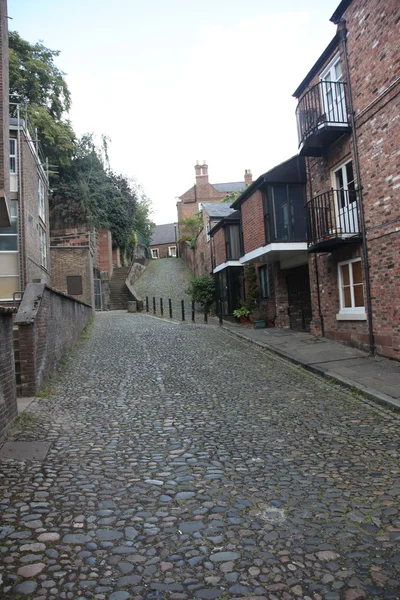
<point x="217" y="210"/>
<point x="163" y="234"/>
<point x="234" y="217"/>
<point x="234" y="186"/>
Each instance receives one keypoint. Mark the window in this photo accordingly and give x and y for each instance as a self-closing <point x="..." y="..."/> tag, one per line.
<point x="154" y="253"/>
<point x="43" y="247"/>
<point x="346" y="198"/>
<point x="264" y="281"/>
<point x="351" y="290"/>
<point x="208" y="229"/>
<point x="333" y="93"/>
<point x="42" y="209"/>
<point x="9" y="235"/>
<point x="13" y="156"/>
<point x="284" y="213"/>
<point x="9" y="259"/>
<point x="233" y="246"/>
<point x="172" y="251"/>
<point x="74" y="285"/>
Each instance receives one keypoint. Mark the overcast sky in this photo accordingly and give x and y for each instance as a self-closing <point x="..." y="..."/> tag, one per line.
<point x="172" y="82"/>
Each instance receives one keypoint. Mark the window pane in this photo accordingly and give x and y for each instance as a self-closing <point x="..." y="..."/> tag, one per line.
<point x="8" y="242"/>
<point x="347" y="297"/>
<point x="12" y="229"/>
<point x="14" y="208"/>
<point x="358" y="295"/>
<point x="12" y="164"/>
<point x="357" y="274"/>
<point x="8" y="285"/>
<point x="264" y="282"/>
<point x="9" y="264"/>
<point x="345" y="275"/>
<point x="281" y="213"/>
<point x="234" y="242"/>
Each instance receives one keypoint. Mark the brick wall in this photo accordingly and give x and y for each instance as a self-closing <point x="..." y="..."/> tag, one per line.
<point x="116" y="258"/>
<point x="4" y="116"/>
<point x="104" y="251"/>
<point x="49" y="322"/>
<point x="67" y="262"/>
<point x="8" y="400"/>
<point x="219" y="247"/>
<point x="253" y="222"/>
<point x="374" y="62"/>
<point x="163" y="249"/>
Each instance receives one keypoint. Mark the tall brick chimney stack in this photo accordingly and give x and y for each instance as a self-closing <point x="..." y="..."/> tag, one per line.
<point x="248" y="177"/>
<point x="4" y="119"/>
<point x="201" y="173"/>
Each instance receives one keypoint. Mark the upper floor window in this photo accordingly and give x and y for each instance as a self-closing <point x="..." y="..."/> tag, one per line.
<point x="42" y="208"/>
<point x="13" y="156"/>
<point x="333" y="96"/>
<point x="9" y="235"/>
<point x="284" y="213"/>
<point x="233" y="246"/>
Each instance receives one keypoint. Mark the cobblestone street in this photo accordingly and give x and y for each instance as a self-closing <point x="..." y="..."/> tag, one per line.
<point x="187" y="463"/>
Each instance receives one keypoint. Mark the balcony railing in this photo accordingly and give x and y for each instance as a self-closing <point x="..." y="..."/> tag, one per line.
<point x="321" y="116"/>
<point x="333" y="220"/>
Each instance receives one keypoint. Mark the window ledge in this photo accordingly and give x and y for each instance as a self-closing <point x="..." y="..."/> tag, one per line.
<point x="351" y="316"/>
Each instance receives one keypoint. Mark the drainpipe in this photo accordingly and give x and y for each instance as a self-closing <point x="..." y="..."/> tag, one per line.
<point x="21" y="208"/>
<point x="342" y="33"/>
<point x="321" y="316"/>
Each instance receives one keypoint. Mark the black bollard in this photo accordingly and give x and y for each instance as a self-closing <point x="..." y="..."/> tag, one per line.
<point x="154" y="306"/>
<point x="170" y="308"/>
<point x="183" y="309"/>
<point x="193" y="315"/>
<point x="161" y="307"/>
<point x="147" y="304"/>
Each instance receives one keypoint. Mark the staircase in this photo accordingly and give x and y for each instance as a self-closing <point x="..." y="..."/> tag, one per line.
<point x="119" y="293"/>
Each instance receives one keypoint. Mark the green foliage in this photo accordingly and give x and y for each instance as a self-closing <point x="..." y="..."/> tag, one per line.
<point x="190" y="228"/>
<point x="37" y="82"/>
<point x="252" y="291"/>
<point x="142" y="220"/>
<point x="243" y="311"/>
<point x="202" y="290"/>
<point x="34" y="77"/>
<point x="230" y="198"/>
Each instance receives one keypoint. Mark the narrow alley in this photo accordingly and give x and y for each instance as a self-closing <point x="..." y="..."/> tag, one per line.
<point x="187" y="463"/>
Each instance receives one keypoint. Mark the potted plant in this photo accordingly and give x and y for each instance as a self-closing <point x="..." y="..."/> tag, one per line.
<point x="242" y="314"/>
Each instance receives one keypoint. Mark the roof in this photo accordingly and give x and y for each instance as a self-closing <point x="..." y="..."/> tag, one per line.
<point x="337" y="15"/>
<point x="217" y="210"/>
<point x="317" y="66"/>
<point x="235" y="186"/>
<point x="164" y="234"/>
<point x="292" y="170"/>
<point x="234" y="217"/>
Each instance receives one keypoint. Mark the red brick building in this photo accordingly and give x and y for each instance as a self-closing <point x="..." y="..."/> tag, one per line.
<point x="4" y="116"/>
<point x="348" y="118"/>
<point x="200" y="198"/>
<point x="274" y="239"/>
<point x="164" y="241"/>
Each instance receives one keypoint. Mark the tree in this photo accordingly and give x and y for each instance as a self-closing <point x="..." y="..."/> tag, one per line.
<point x="190" y="228"/>
<point x="36" y="81"/>
<point x="230" y="198"/>
<point x="202" y="290"/>
<point x="142" y="220"/>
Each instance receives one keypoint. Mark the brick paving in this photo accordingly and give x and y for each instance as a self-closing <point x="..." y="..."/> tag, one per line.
<point x="186" y="463"/>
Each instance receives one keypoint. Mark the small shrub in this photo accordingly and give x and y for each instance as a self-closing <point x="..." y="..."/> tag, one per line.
<point x="202" y="290"/>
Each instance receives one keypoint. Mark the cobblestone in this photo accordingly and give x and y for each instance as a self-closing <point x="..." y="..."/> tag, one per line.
<point x="186" y="463"/>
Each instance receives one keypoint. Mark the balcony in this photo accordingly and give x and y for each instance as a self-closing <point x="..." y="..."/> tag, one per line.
<point x="321" y="117"/>
<point x="333" y="220"/>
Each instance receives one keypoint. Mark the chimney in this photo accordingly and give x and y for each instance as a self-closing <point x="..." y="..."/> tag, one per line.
<point x="201" y="173"/>
<point x="248" y="177"/>
<point x="4" y="119"/>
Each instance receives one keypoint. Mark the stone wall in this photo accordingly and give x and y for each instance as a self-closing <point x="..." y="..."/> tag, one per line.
<point x="49" y="322"/>
<point x="8" y="400"/>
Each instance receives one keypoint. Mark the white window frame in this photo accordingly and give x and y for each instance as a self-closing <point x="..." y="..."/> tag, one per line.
<point x="172" y="251"/>
<point x="13" y="155"/>
<point x="342" y="100"/>
<point x="349" y="313"/>
<point x="14" y="217"/>
<point x="208" y="229"/>
<point x="155" y="253"/>
<point x="42" y="206"/>
<point x="43" y="246"/>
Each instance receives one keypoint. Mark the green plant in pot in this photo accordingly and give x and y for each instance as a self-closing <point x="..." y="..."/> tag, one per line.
<point x="242" y="314"/>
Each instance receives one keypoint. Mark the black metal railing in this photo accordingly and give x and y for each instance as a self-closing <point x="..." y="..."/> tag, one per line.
<point x="180" y="310"/>
<point x="323" y="104"/>
<point x="333" y="217"/>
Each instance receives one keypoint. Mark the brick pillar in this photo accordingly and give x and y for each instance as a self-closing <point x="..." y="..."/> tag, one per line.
<point x="281" y="297"/>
